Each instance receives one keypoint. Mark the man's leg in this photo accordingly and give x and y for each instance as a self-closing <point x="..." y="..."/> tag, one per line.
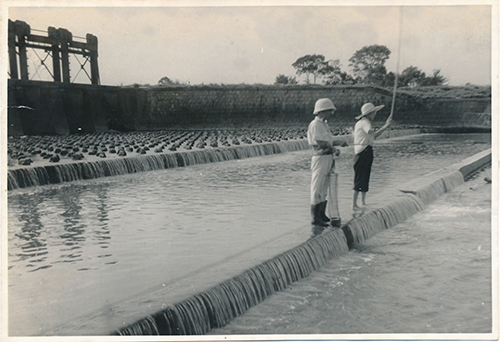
<point x="318" y="190"/>
<point x="363" y="198"/>
<point x="355" y="200"/>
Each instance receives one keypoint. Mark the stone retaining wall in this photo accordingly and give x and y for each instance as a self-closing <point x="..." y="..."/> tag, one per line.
<point x="39" y="108"/>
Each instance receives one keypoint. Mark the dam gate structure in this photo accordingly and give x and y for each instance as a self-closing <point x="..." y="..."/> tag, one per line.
<point x="58" y="44"/>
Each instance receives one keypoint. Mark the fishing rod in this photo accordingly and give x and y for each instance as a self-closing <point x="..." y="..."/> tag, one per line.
<point x="397" y="64"/>
<point x="416" y="142"/>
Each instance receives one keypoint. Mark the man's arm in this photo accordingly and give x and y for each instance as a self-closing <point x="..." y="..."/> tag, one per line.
<point x="326" y="147"/>
<point x="339" y="142"/>
<point x="384" y="127"/>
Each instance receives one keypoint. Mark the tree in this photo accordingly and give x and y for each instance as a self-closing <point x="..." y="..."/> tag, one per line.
<point x="435" y="79"/>
<point x="346" y="78"/>
<point x="330" y="72"/>
<point x="389" y="79"/>
<point x="367" y="64"/>
<point x="412" y="77"/>
<point x="340" y="78"/>
<point x="167" y="81"/>
<point x="309" y="65"/>
<point x="376" y="75"/>
<point x="282" y="79"/>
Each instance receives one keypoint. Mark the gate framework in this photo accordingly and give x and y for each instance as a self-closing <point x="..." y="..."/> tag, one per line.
<point x="59" y="42"/>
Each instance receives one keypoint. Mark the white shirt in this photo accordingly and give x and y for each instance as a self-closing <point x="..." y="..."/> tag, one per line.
<point x="318" y="130"/>
<point x="363" y="135"/>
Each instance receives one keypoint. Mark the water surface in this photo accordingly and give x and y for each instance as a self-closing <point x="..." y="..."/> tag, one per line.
<point x="89" y="257"/>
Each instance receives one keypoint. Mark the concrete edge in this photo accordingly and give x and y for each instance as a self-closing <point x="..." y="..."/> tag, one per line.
<point x="466" y="167"/>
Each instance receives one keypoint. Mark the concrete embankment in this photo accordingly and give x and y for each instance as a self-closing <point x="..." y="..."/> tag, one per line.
<point x="216" y="307"/>
<point x="41" y="108"/>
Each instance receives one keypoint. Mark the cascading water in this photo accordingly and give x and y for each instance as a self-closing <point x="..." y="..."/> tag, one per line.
<point x="22" y="178"/>
<point x="366" y="226"/>
<point x="434" y="185"/>
<point x="53" y="174"/>
<point x="216" y="307"/>
<point x="219" y="305"/>
<point x="369" y="224"/>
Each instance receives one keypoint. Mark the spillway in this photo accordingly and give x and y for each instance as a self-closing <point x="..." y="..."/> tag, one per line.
<point x="253" y="201"/>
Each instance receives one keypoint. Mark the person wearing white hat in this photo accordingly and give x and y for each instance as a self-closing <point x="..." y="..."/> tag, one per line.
<point x="364" y="137"/>
<point x="321" y="140"/>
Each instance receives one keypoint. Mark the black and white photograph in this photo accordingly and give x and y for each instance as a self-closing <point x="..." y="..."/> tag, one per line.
<point x="249" y="170"/>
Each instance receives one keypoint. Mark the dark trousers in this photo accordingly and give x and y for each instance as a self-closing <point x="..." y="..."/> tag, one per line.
<point x="362" y="169"/>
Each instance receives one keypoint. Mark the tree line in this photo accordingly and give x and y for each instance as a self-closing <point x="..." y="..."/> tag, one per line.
<point x="367" y="68"/>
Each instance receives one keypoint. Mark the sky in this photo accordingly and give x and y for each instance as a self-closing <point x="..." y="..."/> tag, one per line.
<point x="206" y="43"/>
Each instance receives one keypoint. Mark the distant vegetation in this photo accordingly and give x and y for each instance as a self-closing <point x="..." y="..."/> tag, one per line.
<point x="367" y="68"/>
<point x="452" y="92"/>
<point x="443" y="91"/>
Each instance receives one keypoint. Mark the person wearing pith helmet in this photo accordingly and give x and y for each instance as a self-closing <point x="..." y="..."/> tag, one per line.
<point x="321" y="140"/>
<point x="364" y="137"/>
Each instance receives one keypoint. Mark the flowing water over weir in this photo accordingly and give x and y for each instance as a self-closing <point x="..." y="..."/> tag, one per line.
<point x="219" y="305"/>
<point x="366" y="226"/>
<point x="215" y="307"/>
<point x="53" y="174"/>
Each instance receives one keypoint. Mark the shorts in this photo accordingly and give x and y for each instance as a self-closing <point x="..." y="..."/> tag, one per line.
<point x="362" y="169"/>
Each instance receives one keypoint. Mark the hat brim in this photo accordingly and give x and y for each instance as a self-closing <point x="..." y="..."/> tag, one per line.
<point x="324" y="110"/>
<point x="375" y="109"/>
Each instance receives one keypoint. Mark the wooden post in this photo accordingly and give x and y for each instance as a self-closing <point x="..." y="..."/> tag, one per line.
<point x="56" y="63"/>
<point x="65" y="37"/>
<point x="94" y="68"/>
<point x="12" y="51"/>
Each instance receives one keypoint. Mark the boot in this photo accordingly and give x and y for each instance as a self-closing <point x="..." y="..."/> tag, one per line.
<point x="316" y="217"/>
<point x="322" y="210"/>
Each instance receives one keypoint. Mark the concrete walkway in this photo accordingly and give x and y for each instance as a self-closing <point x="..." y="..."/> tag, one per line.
<point x="314" y="306"/>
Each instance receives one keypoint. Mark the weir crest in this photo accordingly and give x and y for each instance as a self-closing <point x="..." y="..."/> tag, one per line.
<point x="53" y="174"/>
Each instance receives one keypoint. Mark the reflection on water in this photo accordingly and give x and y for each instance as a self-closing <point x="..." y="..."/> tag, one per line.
<point x="89" y="244"/>
<point x="32" y="248"/>
<point x="73" y="235"/>
<point x="66" y="230"/>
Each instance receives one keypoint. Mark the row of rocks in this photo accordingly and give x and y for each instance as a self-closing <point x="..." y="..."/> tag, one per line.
<point x="76" y="147"/>
<point x="27" y="149"/>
